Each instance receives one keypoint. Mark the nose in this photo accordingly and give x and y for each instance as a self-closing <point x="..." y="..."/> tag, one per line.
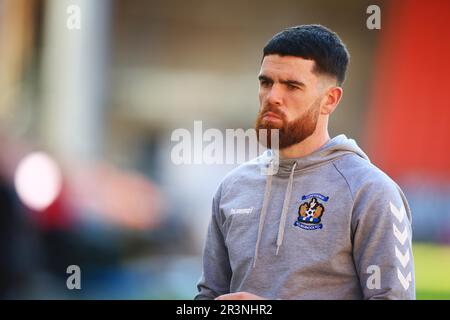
<point x="274" y="96"/>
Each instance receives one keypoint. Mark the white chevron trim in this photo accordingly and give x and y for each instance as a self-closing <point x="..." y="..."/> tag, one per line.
<point x="398" y="213"/>
<point x="404" y="280"/>
<point x="403" y="258"/>
<point x="401" y="236"/>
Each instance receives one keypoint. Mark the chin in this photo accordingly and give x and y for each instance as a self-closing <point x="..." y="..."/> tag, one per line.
<point x="272" y="125"/>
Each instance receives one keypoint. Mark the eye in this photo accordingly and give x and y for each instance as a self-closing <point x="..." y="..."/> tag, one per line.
<point x="265" y="83"/>
<point x="291" y="87"/>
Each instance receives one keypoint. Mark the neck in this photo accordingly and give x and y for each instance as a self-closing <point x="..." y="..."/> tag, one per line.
<point x="307" y="146"/>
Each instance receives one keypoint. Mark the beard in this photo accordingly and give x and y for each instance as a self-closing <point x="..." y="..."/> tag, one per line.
<point x="289" y="133"/>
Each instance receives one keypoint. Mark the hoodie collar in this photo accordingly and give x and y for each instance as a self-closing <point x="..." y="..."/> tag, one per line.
<point x="335" y="147"/>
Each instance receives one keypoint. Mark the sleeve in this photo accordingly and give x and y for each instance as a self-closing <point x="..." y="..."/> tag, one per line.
<point x="216" y="274"/>
<point x="382" y="247"/>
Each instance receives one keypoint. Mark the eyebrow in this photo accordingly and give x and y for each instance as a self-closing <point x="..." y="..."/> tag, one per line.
<point x="289" y="82"/>
<point x="264" y="78"/>
<point x="293" y="82"/>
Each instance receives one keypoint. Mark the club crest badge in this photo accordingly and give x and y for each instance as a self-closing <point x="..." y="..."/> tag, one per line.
<point x="310" y="212"/>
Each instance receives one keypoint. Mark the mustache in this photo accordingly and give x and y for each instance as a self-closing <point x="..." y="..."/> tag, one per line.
<point x="276" y="111"/>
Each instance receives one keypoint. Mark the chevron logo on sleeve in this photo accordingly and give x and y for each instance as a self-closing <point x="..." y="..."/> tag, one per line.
<point x="403" y="258"/>
<point x="404" y="280"/>
<point x="398" y="213"/>
<point x="401" y="236"/>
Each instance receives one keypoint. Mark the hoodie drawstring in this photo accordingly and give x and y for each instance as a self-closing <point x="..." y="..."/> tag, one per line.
<point x="287" y="200"/>
<point x="265" y="205"/>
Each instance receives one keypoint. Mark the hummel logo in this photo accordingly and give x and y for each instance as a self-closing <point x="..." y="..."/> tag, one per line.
<point x="404" y="259"/>
<point x="404" y="280"/>
<point x="401" y="236"/>
<point x="242" y="211"/>
<point x="398" y="213"/>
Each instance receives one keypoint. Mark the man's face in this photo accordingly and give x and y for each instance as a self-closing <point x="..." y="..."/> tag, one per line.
<point x="289" y="98"/>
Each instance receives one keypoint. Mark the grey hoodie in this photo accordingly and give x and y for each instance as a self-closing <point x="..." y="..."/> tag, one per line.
<point x="329" y="225"/>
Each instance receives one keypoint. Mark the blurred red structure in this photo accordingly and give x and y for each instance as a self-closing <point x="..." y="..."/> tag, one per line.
<point x="409" y="115"/>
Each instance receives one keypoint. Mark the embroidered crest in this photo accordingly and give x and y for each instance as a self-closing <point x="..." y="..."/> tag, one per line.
<point x="310" y="212"/>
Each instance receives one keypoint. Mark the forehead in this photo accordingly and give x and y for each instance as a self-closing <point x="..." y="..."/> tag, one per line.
<point x="288" y="67"/>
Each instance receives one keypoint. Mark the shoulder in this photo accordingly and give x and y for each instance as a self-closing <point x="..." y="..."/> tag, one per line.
<point x="244" y="173"/>
<point x="363" y="176"/>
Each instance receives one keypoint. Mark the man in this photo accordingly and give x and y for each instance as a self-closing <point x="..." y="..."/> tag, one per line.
<point x="328" y="224"/>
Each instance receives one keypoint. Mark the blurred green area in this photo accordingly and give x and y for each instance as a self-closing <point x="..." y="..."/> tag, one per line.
<point x="432" y="269"/>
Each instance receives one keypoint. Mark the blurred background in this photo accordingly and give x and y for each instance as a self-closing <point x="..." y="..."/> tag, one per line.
<point x="86" y="117"/>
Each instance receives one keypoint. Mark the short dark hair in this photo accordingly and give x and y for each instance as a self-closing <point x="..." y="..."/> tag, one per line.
<point x="314" y="42"/>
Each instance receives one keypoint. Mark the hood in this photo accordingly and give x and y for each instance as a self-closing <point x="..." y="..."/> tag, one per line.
<point x="334" y="148"/>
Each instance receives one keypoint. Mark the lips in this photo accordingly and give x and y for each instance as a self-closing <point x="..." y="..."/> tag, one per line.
<point x="271" y="116"/>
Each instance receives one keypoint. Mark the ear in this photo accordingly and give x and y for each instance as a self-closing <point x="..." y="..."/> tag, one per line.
<point x="331" y="99"/>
